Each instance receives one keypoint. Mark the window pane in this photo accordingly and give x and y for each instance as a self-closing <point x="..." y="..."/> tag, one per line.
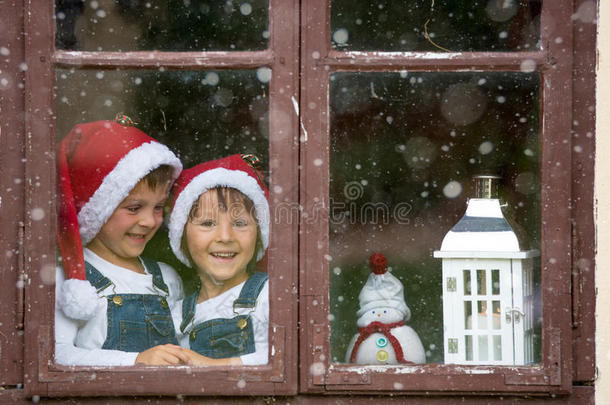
<point x="404" y="148"/>
<point x="173" y="25"/>
<point x="199" y="115"/>
<point x="441" y="25"/>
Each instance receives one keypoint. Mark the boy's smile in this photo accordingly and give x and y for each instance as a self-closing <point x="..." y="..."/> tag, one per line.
<point x="125" y="235"/>
<point x="221" y="242"/>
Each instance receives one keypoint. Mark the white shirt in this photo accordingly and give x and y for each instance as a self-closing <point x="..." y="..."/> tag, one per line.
<point x="221" y="306"/>
<point x="79" y="343"/>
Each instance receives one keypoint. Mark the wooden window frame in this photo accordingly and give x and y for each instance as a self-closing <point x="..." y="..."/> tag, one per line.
<point x="566" y="219"/>
<point x="45" y="378"/>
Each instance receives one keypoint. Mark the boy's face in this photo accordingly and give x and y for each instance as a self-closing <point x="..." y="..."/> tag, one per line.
<point x="221" y="242"/>
<point x="132" y="224"/>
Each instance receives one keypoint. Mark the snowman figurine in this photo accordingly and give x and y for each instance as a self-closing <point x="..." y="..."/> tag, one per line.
<point x="384" y="338"/>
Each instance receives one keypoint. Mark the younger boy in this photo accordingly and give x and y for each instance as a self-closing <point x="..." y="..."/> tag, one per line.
<point x="114" y="308"/>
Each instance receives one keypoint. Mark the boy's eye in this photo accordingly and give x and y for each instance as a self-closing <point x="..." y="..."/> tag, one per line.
<point x="133" y="208"/>
<point x="207" y="223"/>
<point x="159" y="208"/>
<point x="241" y="222"/>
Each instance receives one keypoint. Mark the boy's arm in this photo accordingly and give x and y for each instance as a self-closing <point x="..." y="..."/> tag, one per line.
<point x="68" y="354"/>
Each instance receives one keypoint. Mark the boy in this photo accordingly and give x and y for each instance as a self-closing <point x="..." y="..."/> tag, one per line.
<point x="112" y="307"/>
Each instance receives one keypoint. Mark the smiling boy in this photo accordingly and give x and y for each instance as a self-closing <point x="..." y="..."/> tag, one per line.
<point x="112" y="306"/>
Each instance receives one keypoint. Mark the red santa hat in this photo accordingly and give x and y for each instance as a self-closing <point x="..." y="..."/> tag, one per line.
<point x="235" y="171"/>
<point x="99" y="163"/>
<point x="382" y="289"/>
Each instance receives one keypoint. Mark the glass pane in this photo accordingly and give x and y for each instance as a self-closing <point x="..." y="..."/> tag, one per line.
<point x="173" y="25"/>
<point x="468" y="314"/>
<point x="468" y="347"/>
<point x="483" y="348"/>
<point x="495" y="282"/>
<point x="467" y="285"/>
<point x="441" y="25"/>
<point x="199" y="115"/>
<point x="481" y="282"/>
<point x="497" y="339"/>
<point x="496" y="320"/>
<point x="483" y="315"/>
<point x="403" y="149"/>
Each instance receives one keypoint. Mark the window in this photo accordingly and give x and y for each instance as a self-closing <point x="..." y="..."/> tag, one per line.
<point x="415" y="109"/>
<point x="372" y="118"/>
<point x="231" y="93"/>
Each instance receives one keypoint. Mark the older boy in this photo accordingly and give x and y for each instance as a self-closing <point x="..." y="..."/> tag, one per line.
<point x="112" y="306"/>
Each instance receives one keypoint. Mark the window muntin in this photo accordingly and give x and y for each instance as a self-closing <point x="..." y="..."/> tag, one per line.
<point x="173" y="25"/>
<point x="404" y="147"/>
<point x="441" y="25"/>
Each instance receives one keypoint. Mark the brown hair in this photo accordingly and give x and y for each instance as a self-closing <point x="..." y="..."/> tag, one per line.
<point x="230" y="195"/>
<point x="161" y="176"/>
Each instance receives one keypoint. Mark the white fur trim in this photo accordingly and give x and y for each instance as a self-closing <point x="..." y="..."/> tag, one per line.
<point x="222" y="177"/>
<point x="78" y="299"/>
<point x="117" y="185"/>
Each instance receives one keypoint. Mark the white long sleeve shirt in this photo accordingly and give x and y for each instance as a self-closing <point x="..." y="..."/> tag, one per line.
<point x="80" y="343"/>
<point x="221" y="306"/>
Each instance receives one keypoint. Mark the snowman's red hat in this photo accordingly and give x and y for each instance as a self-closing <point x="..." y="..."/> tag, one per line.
<point x="382" y="289"/>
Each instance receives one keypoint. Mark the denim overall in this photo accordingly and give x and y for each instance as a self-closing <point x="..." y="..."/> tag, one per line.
<point x="221" y="338"/>
<point x="136" y="322"/>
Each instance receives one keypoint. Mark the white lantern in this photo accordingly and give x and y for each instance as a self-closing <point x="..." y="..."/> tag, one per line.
<point x="488" y="297"/>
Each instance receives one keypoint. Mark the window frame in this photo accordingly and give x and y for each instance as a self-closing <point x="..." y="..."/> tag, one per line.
<point x="279" y="376"/>
<point x="554" y="63"/>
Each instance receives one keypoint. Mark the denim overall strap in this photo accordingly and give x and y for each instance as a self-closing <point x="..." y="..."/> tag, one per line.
<point x="188" y="309"/>
<point x="95" y="278"/>
<point x="135" y="322"/>
<point x="154" y="269"/>
<point x="230" y="337"/>
<point x="249" y="293"/>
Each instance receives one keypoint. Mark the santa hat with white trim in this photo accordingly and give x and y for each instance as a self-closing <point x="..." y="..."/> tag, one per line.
<point x="99" y="163"/>
<point x="235" y="171"/>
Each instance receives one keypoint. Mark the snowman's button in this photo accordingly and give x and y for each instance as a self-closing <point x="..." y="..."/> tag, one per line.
<point x="382" y="355"/>
<point x="381" y="342"/>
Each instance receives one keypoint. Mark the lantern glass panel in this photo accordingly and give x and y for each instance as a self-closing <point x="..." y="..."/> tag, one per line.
<point x="482" y="309"/>
<point x="495" y="282"/>
<point x="467" y="285"/>
<point x="481" y="282"/>
<point x="483" y="348"/>
<point x="497" y="342"/>
<point x="496" y="320"/>
<point x="468" y="340"/>
<point x="467" y="315"/>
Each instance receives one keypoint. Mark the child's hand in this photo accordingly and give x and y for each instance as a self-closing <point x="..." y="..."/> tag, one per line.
<point x="163" y="355"/>
<point x="196" y="359"/>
